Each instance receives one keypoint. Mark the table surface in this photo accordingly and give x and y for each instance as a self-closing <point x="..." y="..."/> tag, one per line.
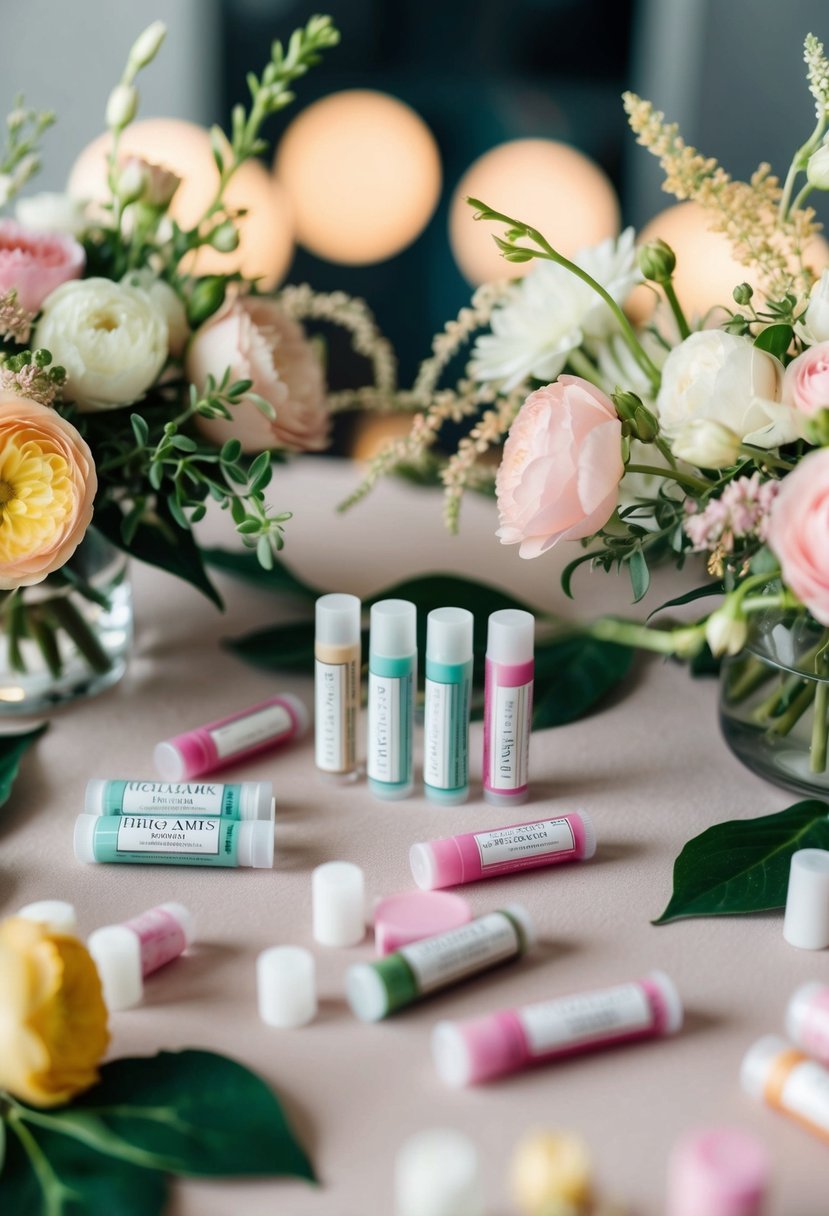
<point x="650" y="768"/>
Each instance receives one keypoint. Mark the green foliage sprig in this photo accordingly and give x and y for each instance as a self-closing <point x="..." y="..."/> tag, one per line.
<point x="20" y="157"/>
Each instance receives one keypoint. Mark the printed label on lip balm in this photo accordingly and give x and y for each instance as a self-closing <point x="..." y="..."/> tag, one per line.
<point x="388" y="724"/>
<point x="335" y="705"/>
<point x="451" y="956"/>
<point x="592" y="1015"/>
<point x="179" y="834"/>
<point x="510" y="741"/>
<point x="168" y="798"/>
<point x="806" y="1094"/>
<point x="525" y="840"/>
<point x="258" y="727"/>
<point x="445" y="760"/>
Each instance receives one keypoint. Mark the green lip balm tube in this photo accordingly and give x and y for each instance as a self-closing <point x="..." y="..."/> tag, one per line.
<point x="174" y="840"/>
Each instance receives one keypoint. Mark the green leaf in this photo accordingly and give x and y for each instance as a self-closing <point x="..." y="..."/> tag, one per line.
<point x="743" y="865"/>
<point x="243" y="564"/>
<point x="231" y="451"/>
<point x="570" y="569"/>
<point x="573" y="675"/>
<point x="140" y="430"/>
<point x="280" y="648"/>
<point x="698" y="593"/>
<point x="640" y="576"/>
<point x="12" y="749"/>
<point x="776" y="339"/>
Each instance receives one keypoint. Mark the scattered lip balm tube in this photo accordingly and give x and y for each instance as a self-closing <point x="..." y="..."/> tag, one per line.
<point x="446" y="716"/>
<point x="187" y="840"/>
<point x="246" y="800"/>
<point x="126" y="954"/>
<point x="374" y="990"/>
<point x="240" y="736"/>
<point x="56" y="915"/>
<point x="721" y="1171"/>
<point x="454" y="860"/>
<point x="788" y="1081"/>
<point x="337" y="658"/>
<point x="807" y="1020"/>
<point x="479" y="1049"/>
<point x="508" y="706"/>
<point x="392" y="679"/>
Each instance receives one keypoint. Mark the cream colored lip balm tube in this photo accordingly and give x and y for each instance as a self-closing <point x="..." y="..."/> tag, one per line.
<point x="337" y="655"/>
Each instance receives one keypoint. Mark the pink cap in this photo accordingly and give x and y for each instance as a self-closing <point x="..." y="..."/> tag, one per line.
<point x="400" y="919"/>
<point x="722" y="1171"/>
<point x="436" y="863"/>
<point x="478" y="1049"/>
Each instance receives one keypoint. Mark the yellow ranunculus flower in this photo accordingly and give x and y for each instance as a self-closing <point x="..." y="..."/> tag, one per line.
<point x="53" y="1020"/>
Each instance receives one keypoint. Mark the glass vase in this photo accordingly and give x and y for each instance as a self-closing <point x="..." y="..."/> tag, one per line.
<point x="774" y="702"/>
<point x="69" y="636"/>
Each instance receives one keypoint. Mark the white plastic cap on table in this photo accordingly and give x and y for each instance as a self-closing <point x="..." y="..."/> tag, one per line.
<point x="286" y="987"/>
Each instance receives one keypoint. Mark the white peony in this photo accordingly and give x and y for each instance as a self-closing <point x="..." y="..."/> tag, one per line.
<point x="551" y="312"/>
<point x="167" y="301"/>
<point x="111" y="339"/>
<point x="815" y="324"/>
<point x="51" y="212"/>
<point x="724" y="377"/>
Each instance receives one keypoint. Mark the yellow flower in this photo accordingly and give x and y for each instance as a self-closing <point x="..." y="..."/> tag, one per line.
<point x="551" y="1175"/>
<point x="53" y="1021"/>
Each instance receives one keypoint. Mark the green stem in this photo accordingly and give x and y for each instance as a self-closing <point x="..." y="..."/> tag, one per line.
<point x="52" y="1189"/>
<point x="67" y="617"/>
<point x="662" y="641"/>
<point x="804" y="193"/>
<point x="820" y="728"/>
<point x="788" y="720"/>
<point x="799" y="160"/>
<point x="586" y="368"/>
<point x="753" y="675"/>
<point x="683" y="479"/>
<point x="676" y="309"/>
<point x="44" y="635"/>
<point x="761" y="456"/>
<point x="18" y="629"/>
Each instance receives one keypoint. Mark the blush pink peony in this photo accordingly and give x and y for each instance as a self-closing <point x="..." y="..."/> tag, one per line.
<point x="562" y="464"/>
<point x="806" y="380"/>
<point x="35" y="263"/>
<point x="257" y="341"/>
<point x="798" y="532"/>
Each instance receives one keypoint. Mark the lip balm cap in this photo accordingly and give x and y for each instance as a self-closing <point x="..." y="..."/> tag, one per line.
<point x="438" y="1173"/>
<point x="117" y="954"/>
<point x="449" y="635"/>
<point x="84" y="838"/>
<point x="179" y="758"/>
<point x="413" y="915"/>
<point x="56" y="914"/>
<point x="673" y="1012"/>
<point x="338" y="897"/>
<point x="93" y="800"/>
<point x="510" y="636"/>
<point x="759" y="1062"/>
<point x="798" y="1009"/>
<point x="299" y="712"/>
<point x="436" y="863"/>
<point x="393" y="629"/>
<point x="338" y="620"/>
<point x="185" y="919"/>
<point x="465" y="1053"/>
<point x="806" y="923"/>
<point x="721" y="1171"/>
<point x="257" y="801"/>
<point x="256" y="841"/>
<point x="286" y="987"/>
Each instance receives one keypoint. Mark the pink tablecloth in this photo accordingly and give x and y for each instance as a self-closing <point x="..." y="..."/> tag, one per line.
<point x="650" y="768"/>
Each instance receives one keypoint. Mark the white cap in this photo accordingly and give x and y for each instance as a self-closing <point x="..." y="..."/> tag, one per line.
<point x="303" y="718"/>
<point x="393" y="629"/>
<point x="84" y="838"/>
<point x="93" y="801"/>
<point x="286" y="987"/>
<point x="185" y="919"/>
<point x="117" y="954"/>
<point x="255" y="844"/>
<point x="759" y="1063"/>
<point x="510" y="636"/>
<point x="671" y="1000"/>
<point x="339" y="904"/>
<point x="800" y="1011"/>
<point x="257" y="801"/>
<point x="449" y="635"/>
<point x="338" y="620"/>
<point x="438" y="1173"/>
<point x="55" y="914"/>
<point x="806" y="923"/>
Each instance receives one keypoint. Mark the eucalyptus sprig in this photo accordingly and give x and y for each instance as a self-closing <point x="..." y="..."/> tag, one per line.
<point x="20" y="158"/>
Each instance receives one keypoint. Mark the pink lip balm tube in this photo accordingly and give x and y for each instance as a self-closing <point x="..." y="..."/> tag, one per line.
<point x="228" y="740"/>
<point x="720" y="1171"/>
<point x="479" y="1049"/>
<point x="453" y="860"/>
<point x="508" y="706"/>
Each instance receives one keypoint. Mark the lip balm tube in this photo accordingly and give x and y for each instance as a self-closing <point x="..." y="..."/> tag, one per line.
<point x="228" y="740"/>
<point x="374" y="990"/>
<point x="392" y="677"/>
<point x="126" y="954"/>
<point x="788" y="1081"/>
<point x="479" y="1049"/>
<point x="721" y="1171"/>
<point x="807" y="1020"/>
<point x="186" y="840"/>
<point x="448" y="691"/>
<point x="453" y="860"/>
<point x="508" y="706"/>
<point x="246" y="800"/>
<point x="337" y="655"/>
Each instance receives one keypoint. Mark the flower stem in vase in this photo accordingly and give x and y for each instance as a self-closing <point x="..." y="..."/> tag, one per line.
<point x="67" y="617"/>
<point x="753" y="676"/>
<point x="17" y="627"/>
<point x="786" y="721"/>
<point x="43" y="633"/>
<point x="820" y="728"/>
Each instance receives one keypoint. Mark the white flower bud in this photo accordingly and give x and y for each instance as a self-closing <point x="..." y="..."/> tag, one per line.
<point x="121" y="106"/>
<point x="817" y="168"/>
<point x="706" y="443"/>
<point x="816" y="321"/>
<point x="131" y="181"/>
<point x="6" y="188"/>
<point x="146" y="46"/>
<point x="725" y="632"/>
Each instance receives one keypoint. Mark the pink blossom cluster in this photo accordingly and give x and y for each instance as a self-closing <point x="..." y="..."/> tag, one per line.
<point x="30" y="382"/>
<point x="741" y="511"/>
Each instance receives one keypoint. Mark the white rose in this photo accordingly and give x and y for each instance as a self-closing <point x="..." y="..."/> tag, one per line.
<point x="707" y="443"/>
<point x="724" y="377"/>
<point x="166" y="301"/>
<point x="109" y="337"/>
<point x="51" y="212"/>
<point x="815" y="325"/>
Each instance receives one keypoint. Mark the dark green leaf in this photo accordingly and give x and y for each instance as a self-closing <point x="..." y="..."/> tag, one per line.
<point x="231" y="451"/>
<point x="280" y="648"/>
<point x="140" y="430"/>
<point x="689" y="597"/>
<point x="573" y="675"/>
<point x="244" y="565"/>
<point x="640" y="575"/>
<point x="704" y="663"/>
<point x="570" y="569"/>
<point x="743" y="865"/>
<point x="12" y="749"/>
<point x="260" y="465"/>
<point x="776" y="339"/>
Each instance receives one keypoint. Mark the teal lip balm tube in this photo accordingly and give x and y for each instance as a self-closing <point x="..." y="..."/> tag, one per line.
<point x="374" y="990"/>
<point x="174" y="840"/>
<point x="245" y="800"/>
<point x="392" y="677"/>
<point x="448" y="690"/>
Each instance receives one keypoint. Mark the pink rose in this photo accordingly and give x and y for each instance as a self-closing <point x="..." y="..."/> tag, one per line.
<point x="35" y="263"/>
<point x="154" y="185"/>
<point x="257" y="341"/>
<point x="798" y="532"/>
<point x="806" y="380"/>
<point x="562" y="464"/>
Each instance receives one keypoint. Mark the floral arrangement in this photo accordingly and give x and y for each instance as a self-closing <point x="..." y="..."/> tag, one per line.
<point x="135" y="389"/>
<point x="684" y="435"/>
